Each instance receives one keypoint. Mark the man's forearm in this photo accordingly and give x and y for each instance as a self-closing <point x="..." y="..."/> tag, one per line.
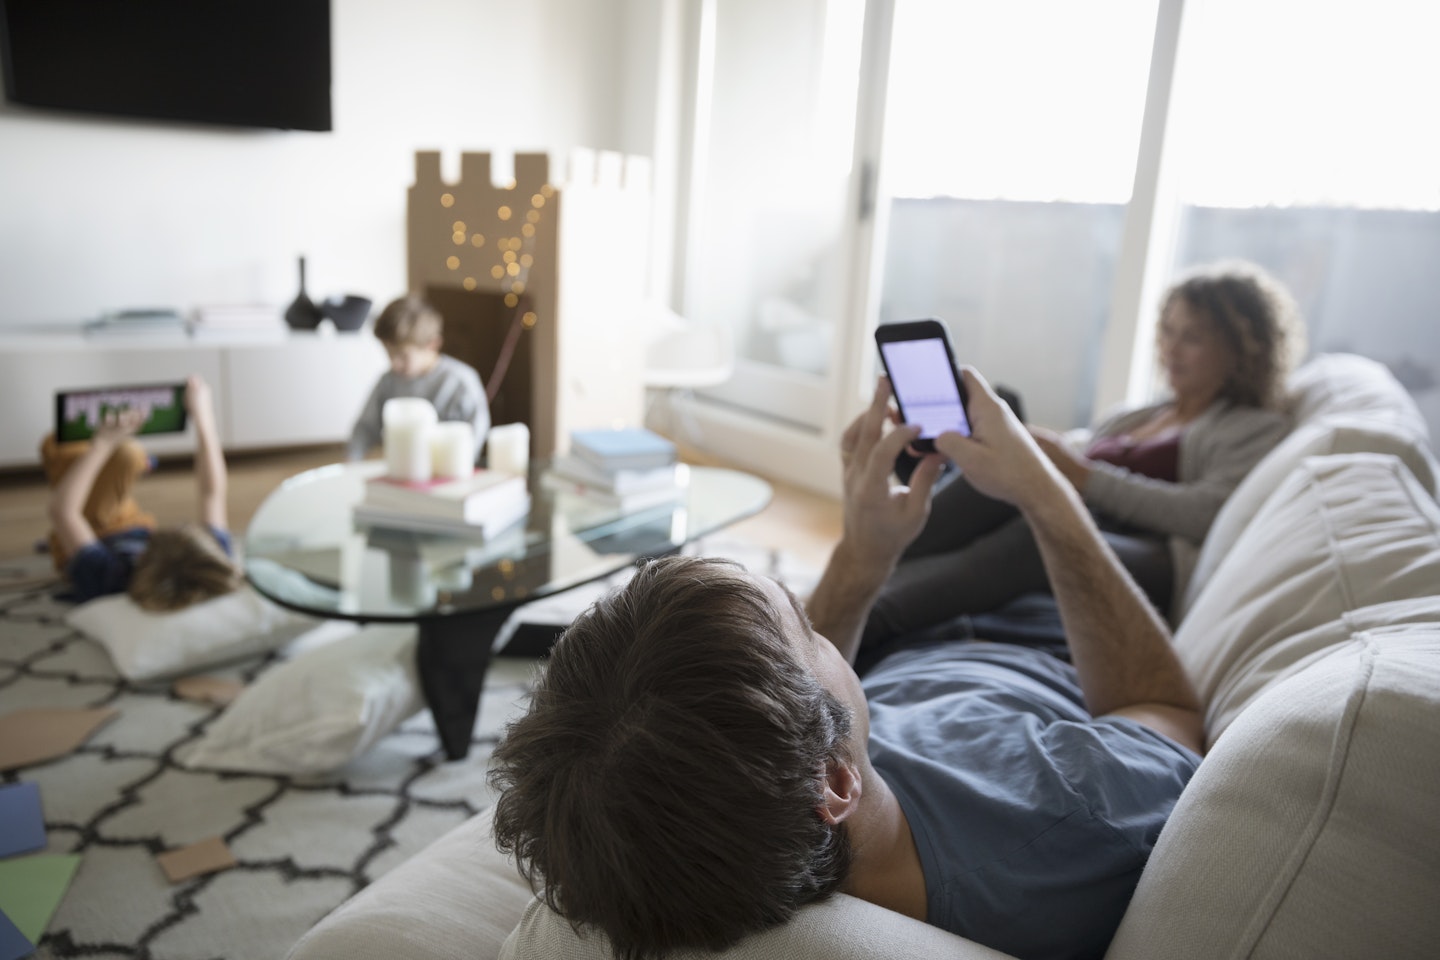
<point x="844" y="596"/>
<point x="1120" y="647"/>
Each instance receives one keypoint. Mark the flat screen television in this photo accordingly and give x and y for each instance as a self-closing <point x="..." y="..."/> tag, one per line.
<point x="249" y="63"/>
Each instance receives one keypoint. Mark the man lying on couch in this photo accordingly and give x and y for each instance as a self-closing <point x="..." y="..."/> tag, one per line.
<point x="701" y="760"/>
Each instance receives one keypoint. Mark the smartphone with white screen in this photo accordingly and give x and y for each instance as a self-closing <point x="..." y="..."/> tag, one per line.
<point x="923" y="376"/>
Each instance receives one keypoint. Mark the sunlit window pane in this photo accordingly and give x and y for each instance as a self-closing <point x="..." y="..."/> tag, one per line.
<point x="1309" y="144"/>
<point x="1290" y="102"/>
<point x="1010" y="143"/>
<point x="1035" y="100"/>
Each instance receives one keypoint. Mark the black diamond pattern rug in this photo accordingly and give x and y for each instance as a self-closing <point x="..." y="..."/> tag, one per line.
<point x="302" y="845"/>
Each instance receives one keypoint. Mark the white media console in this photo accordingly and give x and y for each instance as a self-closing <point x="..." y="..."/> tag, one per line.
<point x="293" y="389"/>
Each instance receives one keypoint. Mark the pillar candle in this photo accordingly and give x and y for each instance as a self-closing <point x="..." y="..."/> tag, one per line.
<point x="406" y="425"/>
<point x="509" y="447"/>
<point x="452" y="450"/>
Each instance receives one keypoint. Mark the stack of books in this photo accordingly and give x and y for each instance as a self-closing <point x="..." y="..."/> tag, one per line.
<point x="477" y="507"/>
<point x="159" y="321"/>
<point x="238" y="321"/>
<point x="626" y="470"/>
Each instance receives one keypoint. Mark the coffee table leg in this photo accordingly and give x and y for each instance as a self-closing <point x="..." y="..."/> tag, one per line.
<point x="453" y="656"/>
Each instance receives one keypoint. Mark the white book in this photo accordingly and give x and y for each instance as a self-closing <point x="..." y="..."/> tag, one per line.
<point x="238" y="317"/>
<point x="619" y="482"/>
<point x="470" y="500"/>
<point x="623" y="503"/>
<point x="485" y="528"/>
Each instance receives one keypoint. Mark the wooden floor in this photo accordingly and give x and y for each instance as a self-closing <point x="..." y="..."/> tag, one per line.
<point x="804" y="523"/>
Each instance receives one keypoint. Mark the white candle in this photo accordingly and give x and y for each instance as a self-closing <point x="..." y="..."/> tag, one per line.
<point x="509" y="447"/>
<point x="406" y="425"/>
<point x="452" y="450"/>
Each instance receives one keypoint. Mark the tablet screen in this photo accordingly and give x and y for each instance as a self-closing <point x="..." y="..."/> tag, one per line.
<point x="79" y="412"/>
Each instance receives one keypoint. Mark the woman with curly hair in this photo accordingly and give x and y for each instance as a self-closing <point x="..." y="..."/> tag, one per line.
<point x="1154" y="477"/>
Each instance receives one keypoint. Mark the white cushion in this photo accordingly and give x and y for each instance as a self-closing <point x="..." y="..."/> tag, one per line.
<point x="145" y="645"/>
<point x="1310" y="828"/>
<point x="1346" y="385"/>
<point x="319" y="711"/>
<point x="1325" y="437"/>
<point x="1341" y="533"/>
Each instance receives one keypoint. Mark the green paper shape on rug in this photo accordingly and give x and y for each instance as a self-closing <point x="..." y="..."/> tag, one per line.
<point x="32" y="887"/>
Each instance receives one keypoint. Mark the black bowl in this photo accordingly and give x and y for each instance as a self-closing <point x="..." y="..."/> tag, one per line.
<point x="348" y="312"/>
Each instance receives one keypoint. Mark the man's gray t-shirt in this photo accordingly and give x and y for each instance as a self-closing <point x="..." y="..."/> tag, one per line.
<point x="1033" y="819"/>
<point x="453" y="387"/>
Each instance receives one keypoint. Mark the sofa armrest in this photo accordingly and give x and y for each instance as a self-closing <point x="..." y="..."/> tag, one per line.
<point x="457" y="898"/>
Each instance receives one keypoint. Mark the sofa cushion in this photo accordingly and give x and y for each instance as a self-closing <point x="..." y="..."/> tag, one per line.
<point x="1347" y="385"/>
<point x="1341" y="533"/>
<point x="1327" y="436"/>
<point x="1310" y="829"/>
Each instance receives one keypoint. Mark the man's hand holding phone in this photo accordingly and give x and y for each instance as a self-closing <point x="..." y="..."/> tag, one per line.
<point x="881" y="519"/>
<point x="1000" y="458"/>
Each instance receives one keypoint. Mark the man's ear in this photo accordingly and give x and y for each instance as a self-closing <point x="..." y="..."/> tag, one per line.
<point x="843" y="788"/>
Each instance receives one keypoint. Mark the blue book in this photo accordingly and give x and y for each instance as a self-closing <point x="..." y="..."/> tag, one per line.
<point x="22" y="824"/>
<point x="627" y="449"/>
<point x="13" y="944"/>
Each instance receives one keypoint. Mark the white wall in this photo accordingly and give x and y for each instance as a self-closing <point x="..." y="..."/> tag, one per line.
<point x="99" y="214"/>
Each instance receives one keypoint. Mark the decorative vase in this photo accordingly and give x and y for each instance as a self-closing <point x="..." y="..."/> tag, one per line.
<point x="303" y="314"/>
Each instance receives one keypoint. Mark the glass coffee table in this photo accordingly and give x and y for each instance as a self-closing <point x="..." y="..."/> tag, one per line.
<point x="304" y="550"/>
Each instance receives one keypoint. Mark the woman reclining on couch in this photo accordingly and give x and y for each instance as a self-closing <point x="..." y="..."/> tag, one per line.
<point x="1154" y="477"/>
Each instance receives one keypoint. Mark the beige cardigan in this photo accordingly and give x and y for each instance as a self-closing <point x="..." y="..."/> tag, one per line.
<point x="1217" y="450"/>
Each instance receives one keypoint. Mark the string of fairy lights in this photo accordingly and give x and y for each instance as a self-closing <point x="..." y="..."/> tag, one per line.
<point x="511" y="269"/>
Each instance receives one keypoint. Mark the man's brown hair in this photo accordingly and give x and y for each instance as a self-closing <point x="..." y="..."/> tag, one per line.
<point x="181" y="566"/>
<point x="409" y="321"/>
<point x="1256" y="316"/>
<point x="664" y="785"/>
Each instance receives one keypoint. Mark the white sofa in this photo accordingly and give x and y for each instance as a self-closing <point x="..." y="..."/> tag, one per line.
<point x="1312" y="828"/>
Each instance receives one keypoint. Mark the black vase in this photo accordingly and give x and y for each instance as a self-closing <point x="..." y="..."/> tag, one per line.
<point x="302" y="314"/>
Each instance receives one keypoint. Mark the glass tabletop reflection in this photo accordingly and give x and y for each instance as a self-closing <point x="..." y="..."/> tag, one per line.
<point x="305" y="550"/>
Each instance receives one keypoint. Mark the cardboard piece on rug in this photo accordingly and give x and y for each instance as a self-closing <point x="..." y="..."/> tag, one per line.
<point x="220" y="691"/>
<point x="32" y="887"/>
<point x="33" y="736"/>
<point x="13" y="944"/>
<point x="22" y="825"/>
<point x="197" y="859"/>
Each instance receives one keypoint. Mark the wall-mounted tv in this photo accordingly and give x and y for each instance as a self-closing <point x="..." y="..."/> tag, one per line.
<point x="250" y="63"/>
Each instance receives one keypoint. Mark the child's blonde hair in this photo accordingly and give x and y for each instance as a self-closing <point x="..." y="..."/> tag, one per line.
<point x="182" y="566"/>
<point x="409" y="321"/>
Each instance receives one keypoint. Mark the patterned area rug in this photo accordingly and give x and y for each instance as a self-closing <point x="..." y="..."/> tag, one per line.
<point x="302" y="845"/>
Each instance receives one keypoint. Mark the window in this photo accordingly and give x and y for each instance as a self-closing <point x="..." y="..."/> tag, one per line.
<point x="1009" y="151"/>
<point x="1308" y="143"/>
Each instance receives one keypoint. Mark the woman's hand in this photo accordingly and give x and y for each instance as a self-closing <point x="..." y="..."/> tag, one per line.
<point x="1075" y="467"/>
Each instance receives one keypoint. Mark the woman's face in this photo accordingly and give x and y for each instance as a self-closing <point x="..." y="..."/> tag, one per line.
<point x="1196" y="360"/>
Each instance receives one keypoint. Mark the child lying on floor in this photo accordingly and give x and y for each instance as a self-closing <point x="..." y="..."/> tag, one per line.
<point x="105" y="544"/>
